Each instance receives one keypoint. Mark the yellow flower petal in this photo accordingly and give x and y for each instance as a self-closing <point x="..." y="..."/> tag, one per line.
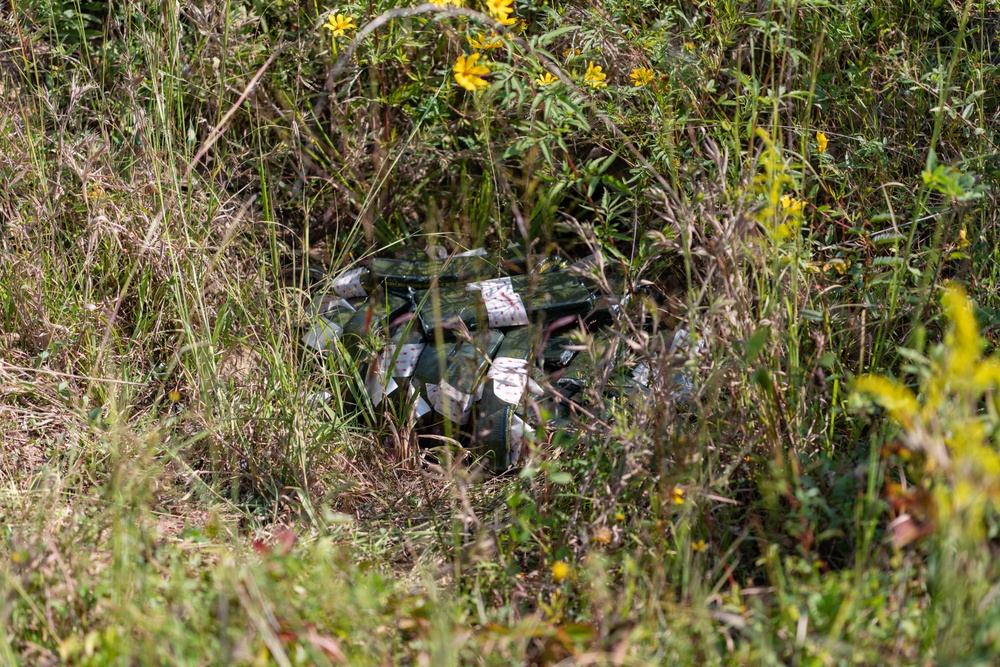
<point x="338" y="24"/>
<point x="501" y="10"/>
<point x="468" y="74"/>
<point x="821" y="142"/>
<point x="484" y="43"/>
<point x="896" y="399"/>
<point x="546" y="79"/>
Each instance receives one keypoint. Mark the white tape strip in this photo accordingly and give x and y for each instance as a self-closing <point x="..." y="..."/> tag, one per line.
<point x="376" y="384"/>
<point x="406" y="362"/>
<point x="348" y="284"/>
<point x="450" y="402"/>
<point x="322" y="335"/>
<point x="510" y="377"/>
<point x="328" y="302"/>
<point x="421" y="407"/>
<point x="504" y="307"/>
<point x="519" y="431"/>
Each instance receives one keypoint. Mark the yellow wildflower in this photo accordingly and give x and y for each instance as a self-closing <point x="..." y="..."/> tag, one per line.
<point x="963" y="239"/>
<point x="546" y="79"/>
<point x="484" y="43"/>
<point x="821" y="142"/>
<point x="501" y="11"/>
<point x="445" y="3"/>
<point x="792" y="205"/>
<point x="677" y="495"/>
<point x="689" y="46"/>
<point x="594" y="77"/>
<point x="641" y="76"/>
<point x="339" y="24"/>
<point x="174" y="396"/>
<point x="571" y="52"/>
<point x="699" y="546"/>
<point x="560" y="571"/>
<point x="468" y="74"/>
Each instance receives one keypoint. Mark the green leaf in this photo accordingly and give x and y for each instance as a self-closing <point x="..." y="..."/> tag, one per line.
<point x="560" y="477"/>
<point x="753" y="345"/>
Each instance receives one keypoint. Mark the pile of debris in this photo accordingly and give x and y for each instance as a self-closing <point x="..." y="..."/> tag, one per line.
<point x="485" y="347"/>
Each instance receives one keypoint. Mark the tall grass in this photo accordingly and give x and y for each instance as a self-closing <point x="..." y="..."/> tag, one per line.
<point x="797" y="182"/>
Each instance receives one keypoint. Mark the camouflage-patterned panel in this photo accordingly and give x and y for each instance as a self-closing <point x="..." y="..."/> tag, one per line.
<point x="471" y="360"/>
<point x="420" y="274"/>
<point x="327" y="327"/>
<point x="370" y="317"/>
<point x="395" y="364"/>
<point x="549" y="296"/>
<point x="555" y="354"/>
<point x="450" y="374"/>
<point x="500" y="424"/>
<point x="509" y="375"/>
<point x="493" y="438"/>
<point x="554" y="294"/>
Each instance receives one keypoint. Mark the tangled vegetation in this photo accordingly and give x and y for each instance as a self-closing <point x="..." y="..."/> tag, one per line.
<point x="810" y="188"/>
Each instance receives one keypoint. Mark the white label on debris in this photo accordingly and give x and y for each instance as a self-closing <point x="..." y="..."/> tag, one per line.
<point x="510" y="377"/>
<point x="478" y="252"/>
<point x="406" y="361"/>
<point x="450" y="402"/>
<point x="503" y="305"/>
<point x="348" y="284"/>
<point x="322" y="335"/>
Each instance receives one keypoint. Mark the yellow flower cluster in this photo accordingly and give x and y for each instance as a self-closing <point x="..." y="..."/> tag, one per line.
<point x="782" y="214"/>
<point x="792" y="205"/>
<point x="468" y="74"/>
<point x="595" y="76"/>
<point x="951" y="418"/>
<point x="485" y="43"/>
<point x="641" y="76"/>
<point x="501" y="11"/>
<point x="445" y="3"/>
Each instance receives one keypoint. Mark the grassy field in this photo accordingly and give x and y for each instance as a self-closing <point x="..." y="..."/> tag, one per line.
<point x="811" y="185"/>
